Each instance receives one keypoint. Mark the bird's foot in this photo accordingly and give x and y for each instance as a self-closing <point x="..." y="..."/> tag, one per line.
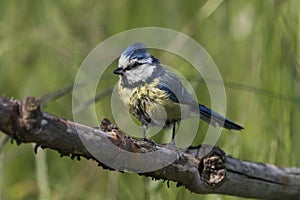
<point x="173" y="142"/>
<point x="172" y="145"/>
<point x="149" y="140"/>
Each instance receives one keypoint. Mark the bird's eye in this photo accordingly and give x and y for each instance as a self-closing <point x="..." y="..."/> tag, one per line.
<point x="134" y="64"/>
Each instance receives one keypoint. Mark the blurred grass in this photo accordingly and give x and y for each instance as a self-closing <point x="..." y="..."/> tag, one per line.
<point x="255" y="43"/>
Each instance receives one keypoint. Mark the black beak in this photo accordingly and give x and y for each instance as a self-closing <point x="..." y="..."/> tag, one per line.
<point x="118" y="71"/>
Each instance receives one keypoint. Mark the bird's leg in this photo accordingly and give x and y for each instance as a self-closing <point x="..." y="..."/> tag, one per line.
<point x="173" y="134"/>
<point x="144" y="135"/>
<point x="144" y="132"/>
<point x="173" y="142"/>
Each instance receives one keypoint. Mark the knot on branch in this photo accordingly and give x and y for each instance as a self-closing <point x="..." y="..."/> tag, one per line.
<point x="124" y="141"/>
<point x="212" y="166"/>
<point x="7" y="107"/>
<point x="30" y="115"/>
<point x="107" y="126"/>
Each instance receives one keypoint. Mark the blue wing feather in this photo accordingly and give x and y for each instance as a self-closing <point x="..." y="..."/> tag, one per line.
<point x="171" y="94"/>
<point x="213" y="117"/>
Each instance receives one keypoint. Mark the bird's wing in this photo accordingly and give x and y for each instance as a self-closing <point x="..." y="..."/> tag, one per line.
<point x="171" y="84"/>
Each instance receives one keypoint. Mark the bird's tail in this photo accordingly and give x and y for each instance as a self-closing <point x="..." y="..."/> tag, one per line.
<point x="214" y="118"/>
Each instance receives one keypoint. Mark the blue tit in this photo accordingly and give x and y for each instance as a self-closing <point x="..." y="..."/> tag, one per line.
<point x="156" y="96"/>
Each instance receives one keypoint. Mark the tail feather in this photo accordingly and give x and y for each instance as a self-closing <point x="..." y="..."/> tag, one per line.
<point x="214" y="118"/>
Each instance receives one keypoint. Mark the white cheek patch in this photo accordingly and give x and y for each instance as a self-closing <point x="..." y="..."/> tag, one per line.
<point x="123" y="61"/>
<point x="141" y="73"/>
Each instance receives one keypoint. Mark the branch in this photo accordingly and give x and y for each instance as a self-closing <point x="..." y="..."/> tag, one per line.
<point x="203" y="169"/>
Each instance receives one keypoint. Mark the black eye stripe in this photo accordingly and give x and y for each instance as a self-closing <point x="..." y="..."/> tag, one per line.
<point x="132" y="65"/>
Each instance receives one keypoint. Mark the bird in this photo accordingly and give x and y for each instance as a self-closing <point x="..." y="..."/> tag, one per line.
<point x="156" y="96"/>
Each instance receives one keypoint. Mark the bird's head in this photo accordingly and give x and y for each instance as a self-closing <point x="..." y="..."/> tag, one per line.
<point x="136" y="66"/>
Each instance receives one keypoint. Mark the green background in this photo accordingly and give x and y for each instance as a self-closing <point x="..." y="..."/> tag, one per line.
<point x="255" y="44"/>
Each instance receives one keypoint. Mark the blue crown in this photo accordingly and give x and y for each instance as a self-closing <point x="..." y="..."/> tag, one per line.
<point x="138" y="51"/>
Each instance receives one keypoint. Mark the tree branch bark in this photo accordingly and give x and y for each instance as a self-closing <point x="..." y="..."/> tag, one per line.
<point x="203" y="169"/>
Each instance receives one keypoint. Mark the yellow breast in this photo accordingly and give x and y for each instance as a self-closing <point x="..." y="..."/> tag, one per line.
<point x="149" y="103"/>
